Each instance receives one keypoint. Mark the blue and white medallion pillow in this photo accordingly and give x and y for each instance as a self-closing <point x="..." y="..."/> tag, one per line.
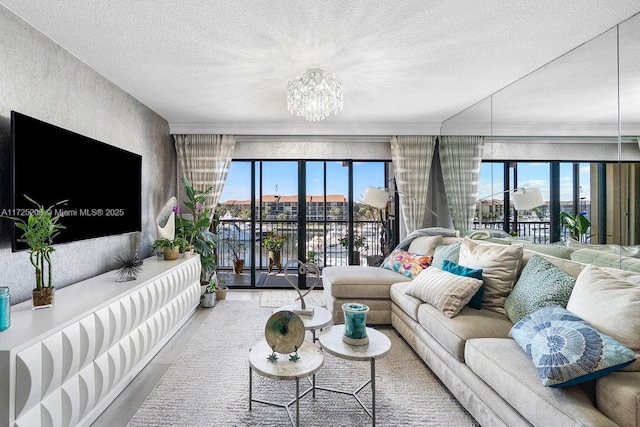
<point x="566" y="350"/>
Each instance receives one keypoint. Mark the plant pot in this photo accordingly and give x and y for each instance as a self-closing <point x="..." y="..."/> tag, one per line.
<point x="275" y="260"/>
<point x="171" y="254"/>
<point x="208" y="300"/>
<point x="188" y="254"/>
<point x="238" y="266"/>
<point x="203" y="286"/>
<point x="356" y="258"/>
<point x="221" y="292"/>
<point x="42" y="298"/>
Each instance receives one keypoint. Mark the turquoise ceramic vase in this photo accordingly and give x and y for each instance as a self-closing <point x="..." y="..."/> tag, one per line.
<point x="355" y="323"/>
<point x="5" y="308"/>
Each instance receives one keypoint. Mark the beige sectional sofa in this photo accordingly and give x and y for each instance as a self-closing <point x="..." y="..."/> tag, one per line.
<point x="474" y="355"/>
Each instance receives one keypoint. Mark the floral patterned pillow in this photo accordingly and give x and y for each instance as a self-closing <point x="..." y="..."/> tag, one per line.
<point x="406" y="263"/>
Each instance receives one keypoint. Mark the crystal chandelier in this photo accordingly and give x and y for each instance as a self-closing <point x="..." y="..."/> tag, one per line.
<point x="315" y="95"/>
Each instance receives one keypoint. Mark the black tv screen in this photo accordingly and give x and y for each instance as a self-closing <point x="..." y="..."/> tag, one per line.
<point x="102" y="183"/>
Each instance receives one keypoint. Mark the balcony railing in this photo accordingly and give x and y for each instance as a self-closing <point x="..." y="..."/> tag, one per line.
<point x="322" y="240"/>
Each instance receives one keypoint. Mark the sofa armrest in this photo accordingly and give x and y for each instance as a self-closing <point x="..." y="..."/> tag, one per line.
<point x="618" y="397"/>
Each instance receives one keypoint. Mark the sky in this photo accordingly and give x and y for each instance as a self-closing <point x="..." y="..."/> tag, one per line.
<point x="281" y="178"/>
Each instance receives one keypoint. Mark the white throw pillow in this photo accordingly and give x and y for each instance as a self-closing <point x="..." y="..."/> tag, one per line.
<point x="425" y="245"/>
<point x="609" y="300"/>
<point x="446" y="291"/>
<point x="500" y="265"/>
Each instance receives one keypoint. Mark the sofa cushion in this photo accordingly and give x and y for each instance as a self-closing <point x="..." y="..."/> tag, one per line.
<point x="442" y="252"/>
<point x="558" y="251"/>
<point x="609" y="300"/>
<point x="452" y="334"/>
<point x="446" y="291"/>
<point x="425" y="245"/>
<point x="357" y="281"/>
<point x="541" y="284"/>
<point x="566" y="350"/>
<point x="406" y="263"/>
<point x="618" y="397"/>
<point x="503" y="365"/>
<point x="461" y="270"/>
<point x="627" y="251"/>
<point x="606" y="259"/>
<point x="500" y="266"/>
<point x="409" y="304"/>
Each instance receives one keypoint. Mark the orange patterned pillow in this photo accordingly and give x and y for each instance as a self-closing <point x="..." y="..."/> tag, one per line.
<point x="406" y="263"/>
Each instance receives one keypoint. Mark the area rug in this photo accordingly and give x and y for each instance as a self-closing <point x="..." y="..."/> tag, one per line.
<point x="278" y="298"/>
<point x="208" y="385"/>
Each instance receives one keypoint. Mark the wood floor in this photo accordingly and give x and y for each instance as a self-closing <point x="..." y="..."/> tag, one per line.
<point x="127" y="403"/>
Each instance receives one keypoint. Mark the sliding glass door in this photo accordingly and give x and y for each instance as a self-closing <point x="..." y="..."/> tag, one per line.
<point x="309" y="207"/>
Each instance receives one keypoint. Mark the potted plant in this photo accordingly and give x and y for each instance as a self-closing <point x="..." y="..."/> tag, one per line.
<point x="221" y="289"/>
<point x="170" y="247"/>
<point x="209" y="296"/>
<point x="359" y="242"/>
<point x="38" y="232"/>
<point x="273" y="243"/>
<point x="195" y="229"/>
<point x="188" y="250"/>
<point x="577" y="225"/>
<point x="237" y="248"/>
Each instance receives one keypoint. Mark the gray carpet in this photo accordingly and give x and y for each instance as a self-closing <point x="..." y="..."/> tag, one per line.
<point x="208" y="385"/>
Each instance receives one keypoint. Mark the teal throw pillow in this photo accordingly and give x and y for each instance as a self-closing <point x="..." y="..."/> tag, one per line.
<point x="566" y="350"/>
<point x="442" y="252"/>
<point x="452" y="267"/>
<point x="541" y="284"/>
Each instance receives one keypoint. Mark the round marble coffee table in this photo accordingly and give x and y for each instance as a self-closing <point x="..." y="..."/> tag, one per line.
<point x="310" y="361"/>
<point x="379" y="346"/>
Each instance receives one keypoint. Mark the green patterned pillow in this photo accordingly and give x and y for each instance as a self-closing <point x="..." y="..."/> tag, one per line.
<point x="442" y="252"/>
<point x="541" y="284"/>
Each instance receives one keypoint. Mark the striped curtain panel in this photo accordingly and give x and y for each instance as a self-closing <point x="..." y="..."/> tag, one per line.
<point x="460" y="158"/>
<point x="204" y="160"/>
<point x="412" y="156"/>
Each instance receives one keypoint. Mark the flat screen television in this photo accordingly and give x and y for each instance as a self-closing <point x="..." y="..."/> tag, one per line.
<point x="102" y="183"/>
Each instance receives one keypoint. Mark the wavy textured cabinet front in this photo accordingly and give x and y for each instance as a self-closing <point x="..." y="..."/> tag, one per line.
<point x="70" y="375"/>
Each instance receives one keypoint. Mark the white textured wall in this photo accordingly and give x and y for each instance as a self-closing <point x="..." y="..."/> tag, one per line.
<point x="42" y="80"/>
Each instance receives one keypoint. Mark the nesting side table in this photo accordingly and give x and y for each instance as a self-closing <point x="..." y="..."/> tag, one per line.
<point x="321" y="317"/>
<point x="311" y="360"/>
<point x="379" y="346"/>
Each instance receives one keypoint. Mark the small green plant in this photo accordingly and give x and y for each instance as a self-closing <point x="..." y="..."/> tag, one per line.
<point x="214" y="285"/>
<point x="312" y="256"/>
<point x="577" y="225"/>
<point x="359" y="241"/>
<point x="38" y="232"/>
<point x="168" y="243"/>
<point x="236" y="246"/>
<point x="274" y="242"/>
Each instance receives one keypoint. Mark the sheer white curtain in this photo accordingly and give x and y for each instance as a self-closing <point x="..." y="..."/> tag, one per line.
<point x="412" y="156"/>
<point x="460" y="158"/>
<point x="204" y="160"/>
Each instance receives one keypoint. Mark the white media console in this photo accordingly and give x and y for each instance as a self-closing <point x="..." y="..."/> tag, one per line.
<point x="62" y="366"/>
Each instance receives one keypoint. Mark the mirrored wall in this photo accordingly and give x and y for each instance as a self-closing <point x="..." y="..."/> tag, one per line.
<point x="576" y="119"/>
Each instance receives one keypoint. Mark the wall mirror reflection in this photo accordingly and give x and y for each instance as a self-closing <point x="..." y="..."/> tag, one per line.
<point x="570" y="129"/>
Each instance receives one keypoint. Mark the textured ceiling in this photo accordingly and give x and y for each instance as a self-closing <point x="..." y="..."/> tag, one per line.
<point x="406" y="66"/>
